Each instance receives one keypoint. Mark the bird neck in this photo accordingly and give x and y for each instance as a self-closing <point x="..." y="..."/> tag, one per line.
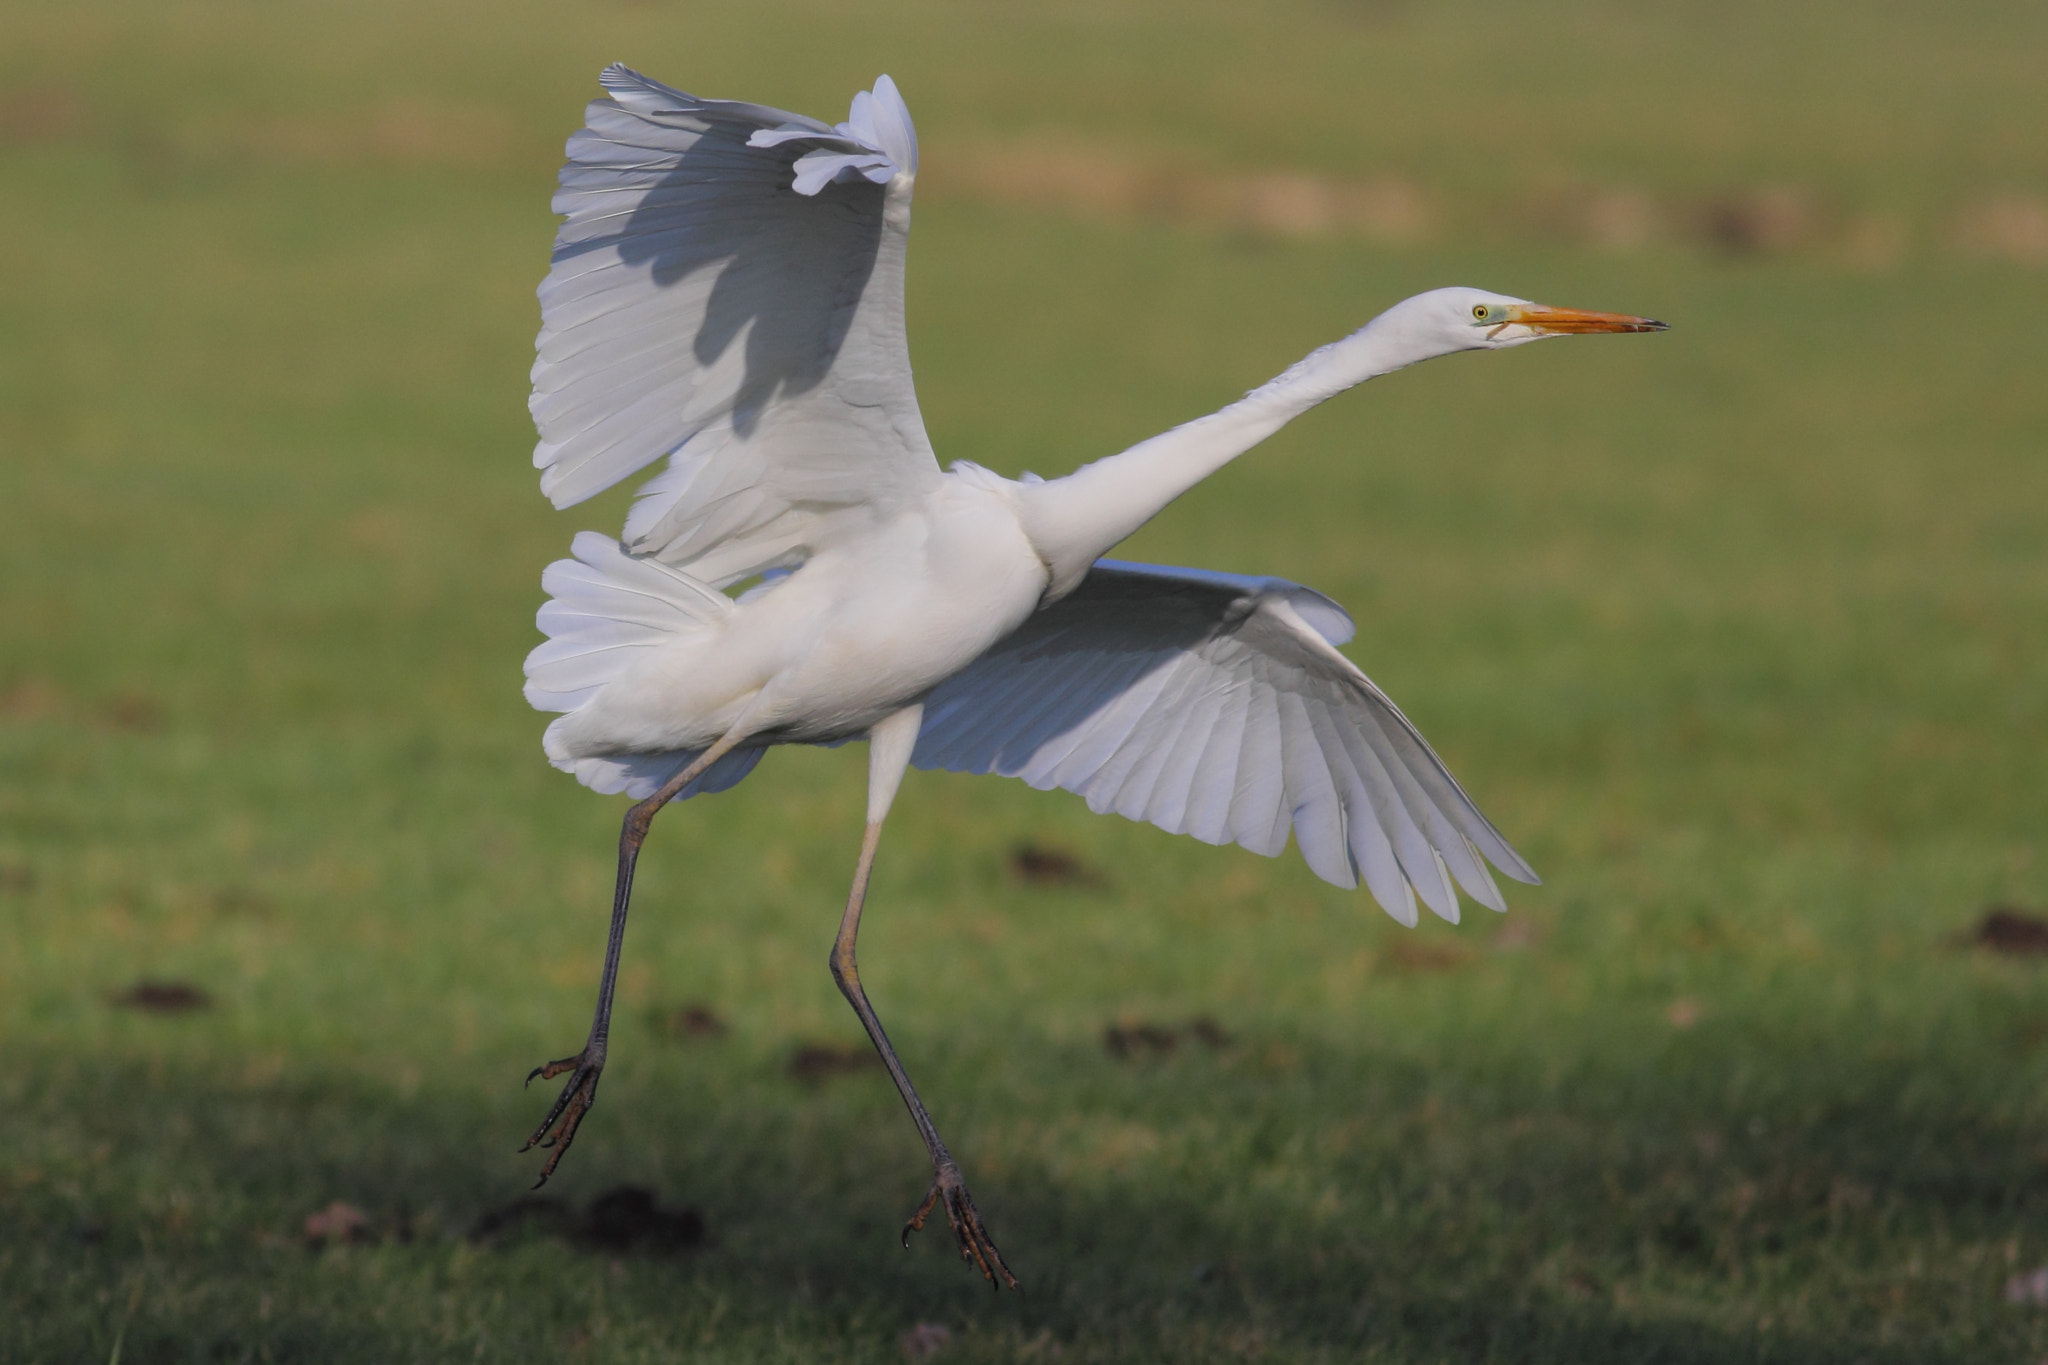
<point x="1075" y="520"/>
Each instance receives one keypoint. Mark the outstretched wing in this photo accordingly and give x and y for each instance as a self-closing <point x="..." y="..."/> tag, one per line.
<point x="1218" y="706"/>
<point x="727" y="291"/>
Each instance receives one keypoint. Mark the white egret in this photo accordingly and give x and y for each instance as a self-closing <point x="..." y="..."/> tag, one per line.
<point x="727" y="293"/>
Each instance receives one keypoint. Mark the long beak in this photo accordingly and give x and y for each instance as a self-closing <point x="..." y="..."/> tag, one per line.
<point x="1573" y="320"/>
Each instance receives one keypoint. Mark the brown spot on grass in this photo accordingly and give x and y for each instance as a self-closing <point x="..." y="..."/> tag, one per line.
<point x="1517" y="934"/>
<point x="2009" y="930"/>
<point x="162" y="997"/>
<point x="2028" y="1290"/>
<point x="1128" y="1040"/>
<point x="624" y="1218"/>
<point x="1620" y="220"/>
<point x="816" y="1063"/>
<point x="1209" y="1033"/>
<point x="691" y="1022"/>
<point x="1125" y="1041"/>
<point x="241" y="901"/>
<point x="37" y="699"/>
<point x="1108" y="183"/>
<point x="41" y="113"/>
<point x="627" y="1218"/>
<point x="29" y="699"/>
<point x="925" y="1340"/>
<point x="1043" y="865"/>
<point x="2010" y="227"/>
<point x="1759" y="222"/>
<point x="337" y="1223"/>
<point x="16" y="879"/>
<point x="132" y="711"/>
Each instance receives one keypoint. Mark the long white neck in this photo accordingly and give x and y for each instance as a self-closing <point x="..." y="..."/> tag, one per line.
<point x="1075" y="520"/>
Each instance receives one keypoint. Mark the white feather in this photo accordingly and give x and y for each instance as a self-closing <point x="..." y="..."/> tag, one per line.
<point x="710" y="304"/>
<point x="1212" y="704"/>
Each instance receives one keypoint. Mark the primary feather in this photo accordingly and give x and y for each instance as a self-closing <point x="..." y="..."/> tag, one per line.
<point x="1216" y="705"/>
<point x="712" y="304"/>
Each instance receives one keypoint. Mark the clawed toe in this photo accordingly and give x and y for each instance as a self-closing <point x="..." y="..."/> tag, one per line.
<point x="558" y="1129"/>
<point x="950" y="1191"/>
<point x="547" y="1071"/>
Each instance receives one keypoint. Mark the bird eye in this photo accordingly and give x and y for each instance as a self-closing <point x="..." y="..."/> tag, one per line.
<point x="1479" y="312"/>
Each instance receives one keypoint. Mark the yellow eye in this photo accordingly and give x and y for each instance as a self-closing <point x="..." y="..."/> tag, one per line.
<point x="1479" y="312"/>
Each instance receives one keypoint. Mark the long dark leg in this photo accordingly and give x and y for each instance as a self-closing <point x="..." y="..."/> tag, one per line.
<point x="947" y="1186"/>
<point x="558" y="1129"/>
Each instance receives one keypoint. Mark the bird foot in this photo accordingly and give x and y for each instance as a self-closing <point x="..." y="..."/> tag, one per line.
<point x="949" y="1190"/>
<point x="558" y="1129"/>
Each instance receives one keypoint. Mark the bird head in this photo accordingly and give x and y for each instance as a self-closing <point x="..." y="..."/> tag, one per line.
<point x="1461" y="319"/>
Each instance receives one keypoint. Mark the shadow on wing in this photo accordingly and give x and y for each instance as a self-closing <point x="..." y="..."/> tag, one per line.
<point x="789" y="268"/>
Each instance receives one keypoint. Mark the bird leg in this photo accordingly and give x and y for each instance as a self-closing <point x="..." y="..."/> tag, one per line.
<point x="948" y="1189"/>
<point x="558" y="1129"/>
<point x="890" y="745"/>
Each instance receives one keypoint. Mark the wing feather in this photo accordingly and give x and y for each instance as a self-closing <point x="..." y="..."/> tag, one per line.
<point x="727" y="294"/>
<point x="1213" y="780"/>
<point x="1173" y="791"/>
<point x="1131" y="718"/>
<point x="1259" y="819"/>
<point x="1379" y="791"/>
<point x="1218" y="705"/>
<point x="1374" y="852"/>
<point x="1151" y="742"/>
<point x="1312" y="795"/>
<point x="1074" y="751"/>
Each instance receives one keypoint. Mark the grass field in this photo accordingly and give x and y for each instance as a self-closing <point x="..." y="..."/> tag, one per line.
<point x="1740" y="633"/>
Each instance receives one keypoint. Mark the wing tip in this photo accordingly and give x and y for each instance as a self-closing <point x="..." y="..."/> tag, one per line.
<point x="1409" y="914"/>
<point x="617" y="76"/>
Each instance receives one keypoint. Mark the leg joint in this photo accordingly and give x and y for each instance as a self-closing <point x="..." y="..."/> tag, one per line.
<point x="845" y="970"/>
<point x="638" y="819"/>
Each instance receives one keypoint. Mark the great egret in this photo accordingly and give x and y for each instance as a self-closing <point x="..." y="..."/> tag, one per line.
<point x="727" y="292"/>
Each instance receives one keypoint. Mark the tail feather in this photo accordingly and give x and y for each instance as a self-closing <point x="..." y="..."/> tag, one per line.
<point x="606" y="610"/>
<point x="641" y="775"/>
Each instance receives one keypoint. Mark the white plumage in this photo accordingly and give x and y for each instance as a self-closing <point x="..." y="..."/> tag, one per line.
<point x="1216" y="705"/>
<point x="727" y="295"/>
<point x="707" y="309"/>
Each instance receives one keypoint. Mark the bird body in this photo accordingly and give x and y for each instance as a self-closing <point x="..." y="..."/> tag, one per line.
<point x="727" y="295"/>
<point x="869" y="623"/>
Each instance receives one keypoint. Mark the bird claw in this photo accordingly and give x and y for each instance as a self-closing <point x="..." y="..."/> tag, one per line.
<point x="950" y="1192"/>
<point x="558" y="1129"/>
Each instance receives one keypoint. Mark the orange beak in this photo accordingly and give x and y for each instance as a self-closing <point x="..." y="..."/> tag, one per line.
<point x="1575" y="320"/>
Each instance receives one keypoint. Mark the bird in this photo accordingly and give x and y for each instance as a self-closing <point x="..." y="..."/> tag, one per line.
<point x="725" y="295"/>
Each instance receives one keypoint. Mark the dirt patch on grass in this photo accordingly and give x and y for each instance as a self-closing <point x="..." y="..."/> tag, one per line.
<point x="625" y="1219"/>
<point x="1044" y="865"/>
<point x="816" y="1063"/>
<point x="38" y="699"/>
<point x="162" y="997"/>
<point x="2009" y="931"/>
<point x="1129" y="1040"/>
<point x="690" y="1023"/>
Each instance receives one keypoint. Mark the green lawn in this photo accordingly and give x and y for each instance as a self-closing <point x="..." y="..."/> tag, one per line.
<point x="1740" y="633"/>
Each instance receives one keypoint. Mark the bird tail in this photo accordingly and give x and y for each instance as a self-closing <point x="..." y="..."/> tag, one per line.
<point x="606" y="611"/>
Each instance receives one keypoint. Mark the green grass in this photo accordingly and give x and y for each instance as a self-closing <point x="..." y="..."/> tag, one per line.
<point x="1737" y="632"/>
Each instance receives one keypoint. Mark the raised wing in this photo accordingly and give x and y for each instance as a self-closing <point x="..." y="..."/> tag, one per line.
<point x="727" y="291"/>
<point x="1216" y="705"/>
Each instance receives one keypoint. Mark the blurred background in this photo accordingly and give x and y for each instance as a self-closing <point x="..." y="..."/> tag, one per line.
<point x="1737" y="632"/>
